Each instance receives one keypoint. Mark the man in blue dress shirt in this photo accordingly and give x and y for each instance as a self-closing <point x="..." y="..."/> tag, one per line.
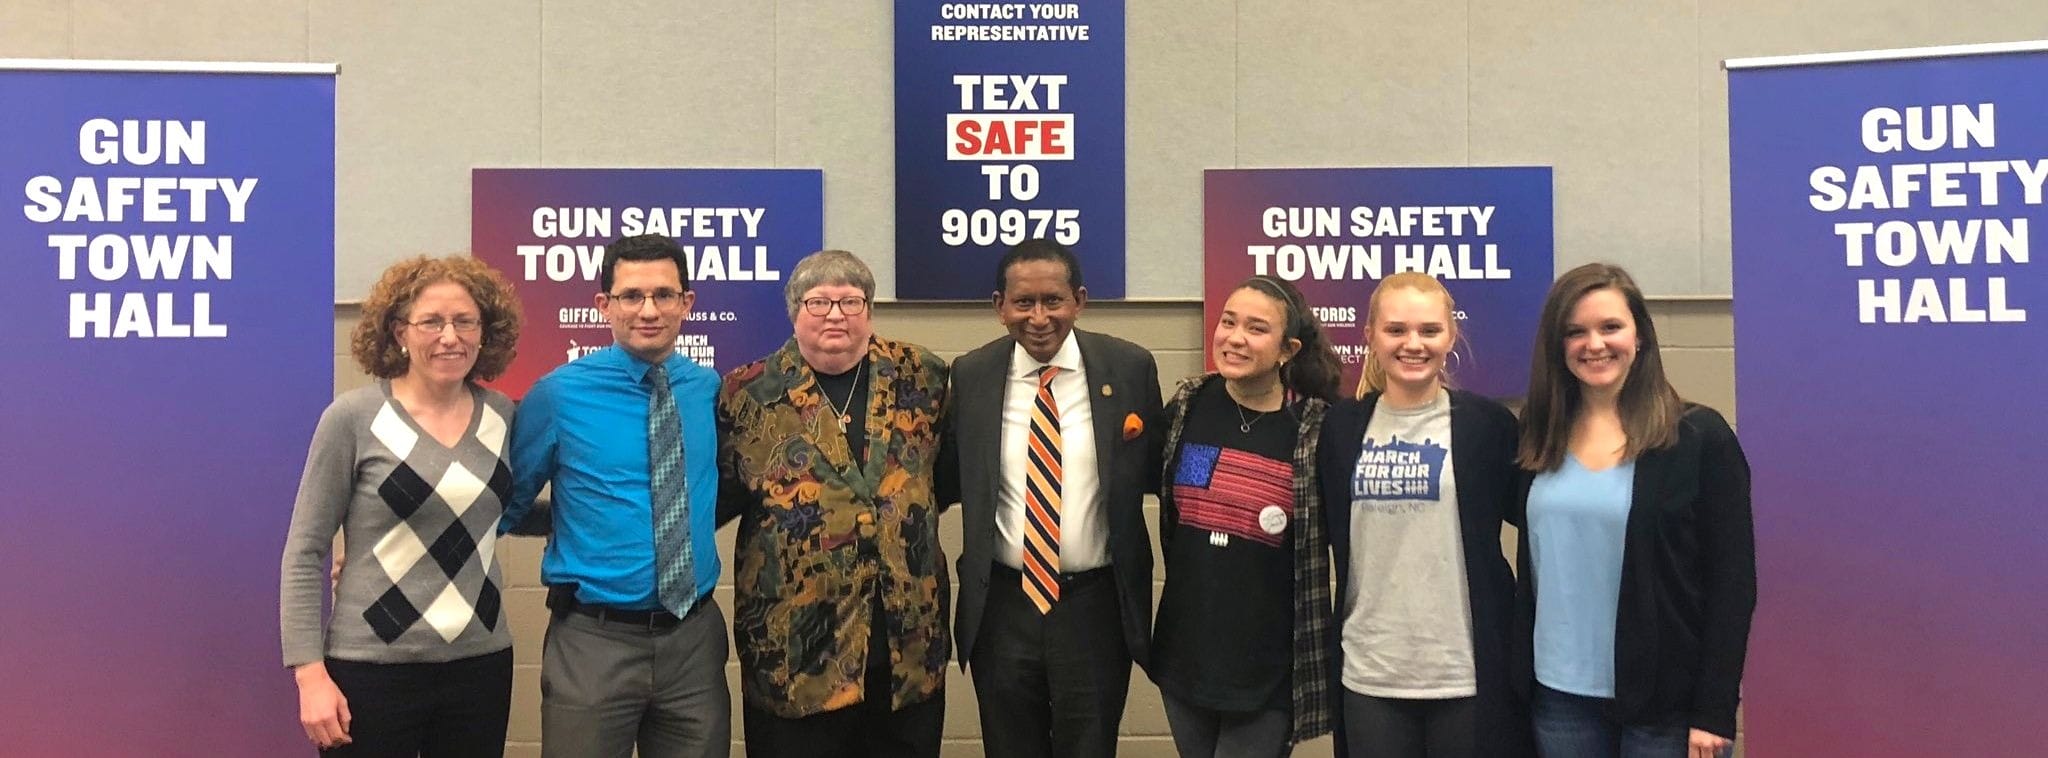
<point x="636" y="647"/>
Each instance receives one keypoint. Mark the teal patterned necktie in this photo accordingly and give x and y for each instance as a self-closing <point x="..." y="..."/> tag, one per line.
<point x="675" y="579"/>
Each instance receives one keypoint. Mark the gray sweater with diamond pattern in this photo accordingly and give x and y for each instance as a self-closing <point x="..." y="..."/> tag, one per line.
<point x="419" y="523"/>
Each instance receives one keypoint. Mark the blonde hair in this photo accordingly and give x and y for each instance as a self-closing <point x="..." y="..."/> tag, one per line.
<point x="1374" y="376"/>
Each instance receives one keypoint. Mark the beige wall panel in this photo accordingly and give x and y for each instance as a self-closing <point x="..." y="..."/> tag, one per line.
<point x="963" y="712"/>
<point x="519" y="560"/>
<point x="1348" y="83"/>
<point x="1750" y="28"/>
<point x="948" y="329"/>
<point x="525" y="722"/>
<point x="1175" y="365"/>
<point x="950" y="541"/>
<point x="427" y="90"/>
<point x="1320" y="747"/>
<point x="648" y="83"/>
<point x="35" y="29"/>
<point x="1180" y="118"/>
<point x="1694" y="323"/>
<point x="214" y="30"/>
<point x="1608" y="94"/>
<point x="345" y="318"/>
<point x="1704" y="376"/>
<point x="527" y="611"/>
<point x="834" y="110"/>
<point x="347" y="375"/>
<point x="1143" y="711"/>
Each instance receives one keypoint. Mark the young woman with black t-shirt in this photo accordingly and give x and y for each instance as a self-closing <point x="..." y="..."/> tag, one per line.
<point x="1240" y="647"/>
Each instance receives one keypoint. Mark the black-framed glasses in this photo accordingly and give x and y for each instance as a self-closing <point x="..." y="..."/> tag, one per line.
<point x="438" y="325"/>
<point x="851" y="306"/>
<point x="633" y="299"/>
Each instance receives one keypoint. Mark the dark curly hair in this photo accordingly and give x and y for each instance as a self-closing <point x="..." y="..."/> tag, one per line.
<point x="375" y="346"/>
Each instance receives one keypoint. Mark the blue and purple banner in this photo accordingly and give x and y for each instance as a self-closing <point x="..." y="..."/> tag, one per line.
<point x="1335" y="232"/>
<point x="167" y="260"/>
<point x="1009" y="126"/>
<point x="743" y="230"/>
<point x="1890" y="355"/>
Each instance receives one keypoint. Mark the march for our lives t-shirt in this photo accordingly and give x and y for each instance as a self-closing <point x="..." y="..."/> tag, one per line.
<point x="1407" y="614"/>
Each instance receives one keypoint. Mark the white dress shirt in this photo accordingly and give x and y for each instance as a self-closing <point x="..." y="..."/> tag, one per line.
<point x="1084" y="529"/>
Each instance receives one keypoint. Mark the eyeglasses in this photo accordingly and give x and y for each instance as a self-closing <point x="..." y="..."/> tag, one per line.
<point x="633" y="299"/>
<point x="851" y="306"/>
<point x="437" y="326"/>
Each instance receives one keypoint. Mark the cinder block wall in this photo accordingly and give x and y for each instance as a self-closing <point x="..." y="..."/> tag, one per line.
<point x="1699" y="353"/>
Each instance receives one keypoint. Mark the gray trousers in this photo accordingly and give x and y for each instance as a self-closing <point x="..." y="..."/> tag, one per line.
<point x="607" y="687"/>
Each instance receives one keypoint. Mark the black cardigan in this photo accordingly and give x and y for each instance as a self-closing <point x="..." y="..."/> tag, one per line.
<point x="1483" y="462"/>
<point x="1688" y="584"/>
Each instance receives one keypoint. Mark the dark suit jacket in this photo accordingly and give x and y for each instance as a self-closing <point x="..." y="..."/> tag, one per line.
<point x="971" y="471"/>
<point x="1688" y="584"/>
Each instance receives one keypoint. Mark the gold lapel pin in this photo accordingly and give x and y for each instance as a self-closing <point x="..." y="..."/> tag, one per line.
<point x="1106" y="391"/>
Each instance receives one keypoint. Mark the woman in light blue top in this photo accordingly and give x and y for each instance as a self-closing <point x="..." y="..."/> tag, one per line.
<point x="1638" y="573"/>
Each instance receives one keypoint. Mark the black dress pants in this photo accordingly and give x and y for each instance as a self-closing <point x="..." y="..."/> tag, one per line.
<point x="455" y="709"/>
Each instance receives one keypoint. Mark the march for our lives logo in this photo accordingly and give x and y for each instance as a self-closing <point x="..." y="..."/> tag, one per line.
<point x="1397" y="470"/>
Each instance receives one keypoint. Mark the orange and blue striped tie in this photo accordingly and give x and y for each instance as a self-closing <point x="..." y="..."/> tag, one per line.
<point x="1042" y="498"/>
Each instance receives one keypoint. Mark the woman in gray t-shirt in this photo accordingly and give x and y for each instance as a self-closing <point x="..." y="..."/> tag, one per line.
<point x="416" y="656"/>
<point x="1418" y="479"/>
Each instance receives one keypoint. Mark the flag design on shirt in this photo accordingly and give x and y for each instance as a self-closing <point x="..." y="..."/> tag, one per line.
<point x="1223" y="490"/>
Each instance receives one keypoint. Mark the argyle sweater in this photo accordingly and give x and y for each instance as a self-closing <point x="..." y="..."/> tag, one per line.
<point x="419" y="524"/>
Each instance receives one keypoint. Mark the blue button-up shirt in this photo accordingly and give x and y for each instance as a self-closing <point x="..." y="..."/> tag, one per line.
<point x="583" y="427"/>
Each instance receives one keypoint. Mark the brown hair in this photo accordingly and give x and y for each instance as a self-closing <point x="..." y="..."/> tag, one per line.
<point x="1372" y="376"/>
<point x="1313" y="371"/>
<point x="1649" y="406"/>
<point x="374" y="345"/>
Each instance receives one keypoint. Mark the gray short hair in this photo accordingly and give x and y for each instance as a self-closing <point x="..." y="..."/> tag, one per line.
<point x="827" y="267"/>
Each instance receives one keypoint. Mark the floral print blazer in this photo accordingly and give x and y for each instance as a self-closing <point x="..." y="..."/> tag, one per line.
<point x="818" y="535"/>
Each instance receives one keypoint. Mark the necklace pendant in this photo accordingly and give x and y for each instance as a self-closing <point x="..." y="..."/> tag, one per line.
<point x="1246" y="428"/>
<point x="845" y="419"/>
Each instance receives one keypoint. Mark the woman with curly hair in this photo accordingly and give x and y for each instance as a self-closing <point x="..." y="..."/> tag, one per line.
<point x="416" y="658"/>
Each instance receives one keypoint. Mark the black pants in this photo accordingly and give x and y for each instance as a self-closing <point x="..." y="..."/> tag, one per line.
<point x="1379" y="727"/>
<point x="870" y="729"/>
<point x="455" y="709"/>
<point x="1051" y="685"/>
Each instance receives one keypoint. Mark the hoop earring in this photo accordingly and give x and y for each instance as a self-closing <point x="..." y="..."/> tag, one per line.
<point x="1452" y="361"/>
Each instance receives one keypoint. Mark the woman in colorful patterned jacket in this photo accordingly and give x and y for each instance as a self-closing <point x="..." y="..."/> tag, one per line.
<point x="828" y="447"/>
<point x="1241" y="646"/>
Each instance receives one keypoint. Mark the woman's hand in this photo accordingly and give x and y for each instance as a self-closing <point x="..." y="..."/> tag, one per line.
<point x="1705" y="744"/>
<point x="323" y="711"/>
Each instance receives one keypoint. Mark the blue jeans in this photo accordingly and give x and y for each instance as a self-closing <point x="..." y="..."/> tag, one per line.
<point x="1576" y="726"/>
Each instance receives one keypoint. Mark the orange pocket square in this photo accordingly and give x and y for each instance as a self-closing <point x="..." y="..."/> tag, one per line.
<point x="1133" y="426"/>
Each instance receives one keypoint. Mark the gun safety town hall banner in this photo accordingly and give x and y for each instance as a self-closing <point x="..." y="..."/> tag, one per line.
<point x="1335" y="232"/>
<point x="1891" y="345"/>
<point x="167" y="264"/>
<point x="743" y="231"/>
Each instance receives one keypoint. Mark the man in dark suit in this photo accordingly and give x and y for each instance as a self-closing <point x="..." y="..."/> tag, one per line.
<point x="1052" y="446"/>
